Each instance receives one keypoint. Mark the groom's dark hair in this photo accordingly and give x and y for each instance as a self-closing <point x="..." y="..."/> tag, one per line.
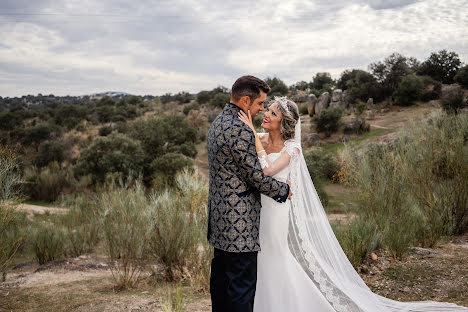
<point x="250" y="86"/>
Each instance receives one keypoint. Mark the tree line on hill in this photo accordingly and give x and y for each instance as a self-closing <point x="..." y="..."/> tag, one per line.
<point x="71" y="143"/>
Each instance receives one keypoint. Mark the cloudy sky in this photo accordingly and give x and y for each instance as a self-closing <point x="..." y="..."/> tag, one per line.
<point x="142" y="47"/>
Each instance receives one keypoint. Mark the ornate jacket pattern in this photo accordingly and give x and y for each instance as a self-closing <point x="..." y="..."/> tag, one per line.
<point x="236" y="182"/>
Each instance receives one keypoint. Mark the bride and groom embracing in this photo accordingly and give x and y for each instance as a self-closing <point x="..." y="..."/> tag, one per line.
<point x="274" y="249"/>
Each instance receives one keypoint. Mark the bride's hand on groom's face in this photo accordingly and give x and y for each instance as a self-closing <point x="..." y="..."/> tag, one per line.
<point x="247" y="119"/>
<point x="290" y="192"/>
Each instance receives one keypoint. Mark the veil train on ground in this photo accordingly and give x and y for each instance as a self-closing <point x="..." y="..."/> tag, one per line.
<point x="314" y="245"/>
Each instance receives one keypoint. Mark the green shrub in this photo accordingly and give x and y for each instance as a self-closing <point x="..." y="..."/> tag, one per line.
<point x="105" y="130"/>
<point x="329" y="120"/>
<point x="81" y="225"/>
<point x="414" y="190"/>
<point x="359" y="83"/>
<point x="453" y="101"/>
<point x="126" y="225"/>
<point x="163" y="134"/>
<point x="278" y="87"/>
<point x="49" y="151"/>
<point x="357" y="239"/>
<point x="167" y="166"/>
<point x="45" y="184"/>
<point x="12" y="223"/>
<point x="189" y="107"/>
<point x="179" y="236"/>
<point x="441" y="66"/>
<point x="116" y="153"/>
<point x="321" y="165"/>
<point x="175" y="300"/>
<point x="47" y="242"/>
<point x="220" y="99"/>
<point x="12" y="234"/>
<point x="409" y="90"/>
<point x="462" y="77"/>
<point x="303" y="109"/>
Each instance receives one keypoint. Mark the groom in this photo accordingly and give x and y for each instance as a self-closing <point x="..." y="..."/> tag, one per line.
<point x="236" y="181"/>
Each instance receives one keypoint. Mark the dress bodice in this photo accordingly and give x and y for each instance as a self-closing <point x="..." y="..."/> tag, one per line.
<point x="281" y="175"/>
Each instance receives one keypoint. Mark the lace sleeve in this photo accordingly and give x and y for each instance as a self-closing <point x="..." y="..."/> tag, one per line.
<point x="289" y="153"/>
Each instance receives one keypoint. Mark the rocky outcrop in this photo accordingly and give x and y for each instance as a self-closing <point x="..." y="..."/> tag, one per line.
<point x="312" y="139"/>
<point x="336" y="99"/>
<point x="311" y="102"/>
<point x="322" y="102"/>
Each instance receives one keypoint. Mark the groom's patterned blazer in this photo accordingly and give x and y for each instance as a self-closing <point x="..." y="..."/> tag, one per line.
<point x="236" y="181"/>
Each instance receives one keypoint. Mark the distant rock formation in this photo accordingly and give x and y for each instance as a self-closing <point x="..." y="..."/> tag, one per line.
<point x="322" y="103"/>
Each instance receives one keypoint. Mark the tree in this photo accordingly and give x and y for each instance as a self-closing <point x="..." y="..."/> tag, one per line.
<point x="164" y="134"/>
<point x="390" y="72"/>
<point x="49" y="151"/>
<point x="115" y="153"/>
<point x="329" y="120"/>
<point x="441" y="66"/>
<point x="453" y="101"/>
<point x="409" y="90"/>
<point x="167" y="166"/>
<point x="278" y="87"/>
<point x="360" y="84"/>
<point x="220" y="99"/>
<point x="320" y="81"/>
<point x="300" y="85"/>
<point x="462" y="77"/>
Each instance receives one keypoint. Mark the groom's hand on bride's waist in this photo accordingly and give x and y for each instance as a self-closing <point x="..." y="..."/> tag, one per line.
<point x="290" y="192"/>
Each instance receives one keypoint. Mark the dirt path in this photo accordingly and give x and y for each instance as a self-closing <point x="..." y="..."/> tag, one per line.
<point x="85" y="283"/>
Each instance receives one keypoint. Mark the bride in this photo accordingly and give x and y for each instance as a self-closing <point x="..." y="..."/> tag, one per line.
<point x="301" y="266"/>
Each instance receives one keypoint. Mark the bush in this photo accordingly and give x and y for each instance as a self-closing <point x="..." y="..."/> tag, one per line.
<point x="415" y="190"/>
<point x="220" y="99"/>
<point x="166" y="167"/>
<point x="358" y="239"/>
<point x="179" y="236"/>
<point x="329" y="120"/>
<point x="359" y="83"/>
<point x="116" y="153"/>
<point x="12" y="222"/>
<point x="453" y="101"/>
<point x="163" y="134"/>
<point x="47" y="242"/>
<point x="81" y="225"/>
<point x="12" y="234"/>
<point x="189" y="107"/>
<point x="206" y="96"/>
<point x="441" y="66"/>
<point x="322" y="167"/>
<point x="45" y="184"/>
<point x="126" y="224"/>
<point x="390" y="72"/>
<point x="303" y="109"/>
<point x="409" y="90"/>
<point x="49" y="151"/>
<point x="462" y="77"/>
<point x="278" y="87"/>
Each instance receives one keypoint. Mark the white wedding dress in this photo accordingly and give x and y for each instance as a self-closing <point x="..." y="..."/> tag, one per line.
<point x="301" y="266"/>
<point x="282" y="284"/>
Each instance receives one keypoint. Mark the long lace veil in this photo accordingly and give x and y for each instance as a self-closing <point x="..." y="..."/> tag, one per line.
<point x="314" y="245"/>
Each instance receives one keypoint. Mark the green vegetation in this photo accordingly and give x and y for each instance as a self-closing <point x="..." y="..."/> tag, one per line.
<point x="414" y="190"/>
<point x="462" y="77"/>
<point x="329" y="120"/>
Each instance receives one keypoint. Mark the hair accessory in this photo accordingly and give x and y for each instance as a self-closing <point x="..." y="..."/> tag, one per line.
<point x="283" y="101"/>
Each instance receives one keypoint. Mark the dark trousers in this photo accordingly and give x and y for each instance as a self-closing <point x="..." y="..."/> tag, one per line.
<point x="233" y="280"/>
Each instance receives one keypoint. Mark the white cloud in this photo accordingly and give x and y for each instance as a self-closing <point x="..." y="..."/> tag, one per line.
<point x="153" y="47"/>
